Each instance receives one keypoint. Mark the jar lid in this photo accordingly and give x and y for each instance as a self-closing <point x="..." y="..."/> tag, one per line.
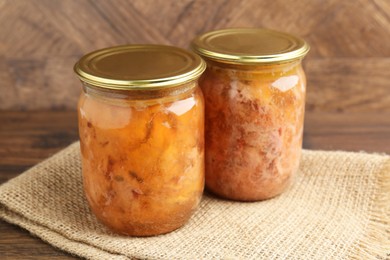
<point x="130" y="67"/>
<point x="250" y="46"/>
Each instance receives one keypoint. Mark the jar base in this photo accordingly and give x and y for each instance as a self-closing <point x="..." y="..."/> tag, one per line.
<point x="146" y="232"/>
<point x="246" y="197"/>
<point x="127" y="227"/>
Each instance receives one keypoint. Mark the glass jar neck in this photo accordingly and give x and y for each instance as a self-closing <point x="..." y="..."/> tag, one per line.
<point x="168" y="94"/>
<point x="254" y="68"/>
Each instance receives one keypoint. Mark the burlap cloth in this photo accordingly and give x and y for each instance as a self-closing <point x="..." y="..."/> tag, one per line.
<point x="339" y="208"/>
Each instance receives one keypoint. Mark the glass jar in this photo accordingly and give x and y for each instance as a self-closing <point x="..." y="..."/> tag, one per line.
<point x="141" y="126"/>
<point x="254" y="89"/>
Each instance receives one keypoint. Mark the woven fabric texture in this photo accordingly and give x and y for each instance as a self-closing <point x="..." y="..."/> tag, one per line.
<point x="338" y="208"/>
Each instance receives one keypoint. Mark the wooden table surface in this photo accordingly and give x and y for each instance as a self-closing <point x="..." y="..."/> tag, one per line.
<point x="27" y="138"/>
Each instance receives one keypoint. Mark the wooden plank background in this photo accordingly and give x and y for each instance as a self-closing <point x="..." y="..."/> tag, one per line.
<point x="348" y="68"/>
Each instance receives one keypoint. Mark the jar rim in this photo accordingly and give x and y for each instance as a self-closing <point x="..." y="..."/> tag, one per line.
<point x="137" y="67"/>
<point x="250" y="46"/>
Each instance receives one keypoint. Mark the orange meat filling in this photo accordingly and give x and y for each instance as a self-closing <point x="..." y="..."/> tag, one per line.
<point x="254" y="125"/>
<point x="143" y="163"/>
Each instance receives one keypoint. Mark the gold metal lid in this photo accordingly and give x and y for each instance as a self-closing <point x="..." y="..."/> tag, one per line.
<point x="130" y="67"/>
<point x="250" y="46"/>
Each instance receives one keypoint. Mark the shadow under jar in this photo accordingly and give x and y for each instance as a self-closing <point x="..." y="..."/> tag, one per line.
<point x="141" y="126"/>
<point x="254" y="88"/>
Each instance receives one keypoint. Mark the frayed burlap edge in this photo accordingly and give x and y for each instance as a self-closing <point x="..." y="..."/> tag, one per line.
<point x="377" y="236"/>
<point x="57" y="240"/>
